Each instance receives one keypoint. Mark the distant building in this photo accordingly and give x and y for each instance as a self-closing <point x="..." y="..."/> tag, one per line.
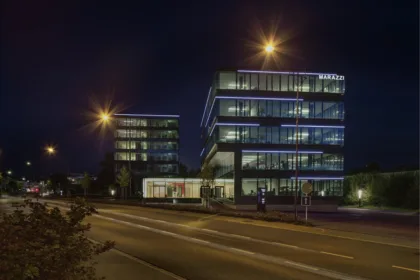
<point x="76" y="178"/>
<point x="249" y="132"/>
<point x="148" y="145"/>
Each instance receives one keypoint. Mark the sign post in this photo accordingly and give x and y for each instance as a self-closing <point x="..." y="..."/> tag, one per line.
<point x="306" y="200"/>
<point x="261" y="199"/>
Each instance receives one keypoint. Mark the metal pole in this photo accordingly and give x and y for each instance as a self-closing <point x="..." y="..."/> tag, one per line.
<point x="129" y="161"/>
<point x="306" y="212"/>
<point x="297" y="147"/>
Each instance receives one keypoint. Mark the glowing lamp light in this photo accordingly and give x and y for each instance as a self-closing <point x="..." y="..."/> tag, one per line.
<point x="322" y="193"/>
<point x="50" y="150"/>
<point x="105" y="117"/>
<point x="269" y="48"/>
<point x="359" y="194"/>
<point x="112" y="192"/>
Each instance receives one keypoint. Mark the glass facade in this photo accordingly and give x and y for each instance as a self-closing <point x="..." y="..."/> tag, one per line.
<point x="152" y="142"/>
<point x="279" y="109"/>
<point x="151" y="156"/>
<point x="144" y="122"/>
<point x="146" y="145"/>
<point x="266" y="81"/>
<point x="275" y="135"/>
<point x="286" y="187"/>
<point x="286" y="161"/>
<point x="139" y="133"/>
<point x="182" y="188"/>
<point x="248" y="111"/>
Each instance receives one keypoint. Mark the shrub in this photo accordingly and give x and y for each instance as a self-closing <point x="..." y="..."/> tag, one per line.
<point x="44" y="243"/>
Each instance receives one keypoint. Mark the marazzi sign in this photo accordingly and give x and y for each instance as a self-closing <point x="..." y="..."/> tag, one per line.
<point x="331" y="77"/>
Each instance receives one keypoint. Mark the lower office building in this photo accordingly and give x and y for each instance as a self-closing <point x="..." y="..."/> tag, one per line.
<point x="147" y="145"/>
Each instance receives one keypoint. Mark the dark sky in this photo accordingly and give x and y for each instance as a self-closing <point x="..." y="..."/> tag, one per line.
<point x="159" y="57"/>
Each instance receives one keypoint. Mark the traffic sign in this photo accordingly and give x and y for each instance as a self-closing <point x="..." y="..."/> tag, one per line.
<point x="307" y="188"/>
<point x="305" y="201"/>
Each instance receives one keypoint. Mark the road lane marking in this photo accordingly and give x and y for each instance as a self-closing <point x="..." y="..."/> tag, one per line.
<point x="406" y="268"/>
<point x="272" y="259"/>
<point x="337" y="255"/>
<point x="239" y="236"/>
<point x="244" y="251"/>
<point x="210" y="230"/>
<point x="200" y="240"/>
<point x="324" y="234"/>
<point x="207" y="217"/>
<point x="323" y="231"/>
<point x="213" y="232"/>
<point x="222" y="234"/>
<point x="286" y="245"/>
<point x="161" y="270"/>
<point x="302" y="265"/>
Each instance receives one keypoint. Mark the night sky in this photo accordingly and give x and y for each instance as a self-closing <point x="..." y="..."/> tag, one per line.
<point x="159" y="57"/>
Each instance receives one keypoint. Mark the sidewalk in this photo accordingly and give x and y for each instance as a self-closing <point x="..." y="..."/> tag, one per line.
<point x="115" y="265"/>
<point x="379" y="211"/>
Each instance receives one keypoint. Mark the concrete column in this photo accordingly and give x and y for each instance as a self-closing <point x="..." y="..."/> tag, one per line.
<point x="237" y="175"/>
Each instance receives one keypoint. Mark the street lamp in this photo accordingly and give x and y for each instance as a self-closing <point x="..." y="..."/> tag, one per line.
<point x="269" y="48"/>
<point x="50" y="150"/>
<point x="9" y="172"/>
<point x="359" y="194"/>
<point x="105" y="117"/>
<point x="28" y="163"/>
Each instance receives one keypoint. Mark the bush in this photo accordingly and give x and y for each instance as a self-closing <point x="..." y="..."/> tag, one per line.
<point x="393" y="190"/>
<point x="47" y="244"/>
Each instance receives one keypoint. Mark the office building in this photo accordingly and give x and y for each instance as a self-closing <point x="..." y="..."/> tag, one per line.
<point x="148" y="145"/>
<point x="249" y="134"/>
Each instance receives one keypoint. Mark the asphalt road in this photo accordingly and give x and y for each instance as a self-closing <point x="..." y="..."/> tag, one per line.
<point x="182" y="245"/>
<point x="367" y="221"/>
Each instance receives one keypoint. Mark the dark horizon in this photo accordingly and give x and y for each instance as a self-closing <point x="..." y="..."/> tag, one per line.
<point x="54" y="58"/>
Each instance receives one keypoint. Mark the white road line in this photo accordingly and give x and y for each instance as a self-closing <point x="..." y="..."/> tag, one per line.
<point x="296" y="230"/>
<point x="286" y="245"/>
<point x="211" y="231"/>
<point x="207" y="217"/>
<point x="200" y="240"/>
<point x="272" y="259"/>
<point x="142" y="262"/>
<point x="302" y="265"/>
<point x="326" y="234"/>
<point x="239" y="236"/>
<point x="406" y="268"/>
<point x="337" y="255"/>
<point x="243" y="251"/>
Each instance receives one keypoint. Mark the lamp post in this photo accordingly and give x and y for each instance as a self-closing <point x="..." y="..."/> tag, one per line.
<point x="50" y="150"/>
<point x="270" y="50"/>
<point x="105" y="118"/>
<point x="297" y="147"/>
<point x="359" y="194"/>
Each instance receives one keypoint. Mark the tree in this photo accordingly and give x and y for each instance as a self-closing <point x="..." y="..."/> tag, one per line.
<point x="86" y="181"/>
<point x="45" y="243"/>
<point x="208" y="174"/>
<point x="123" y="179"/>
